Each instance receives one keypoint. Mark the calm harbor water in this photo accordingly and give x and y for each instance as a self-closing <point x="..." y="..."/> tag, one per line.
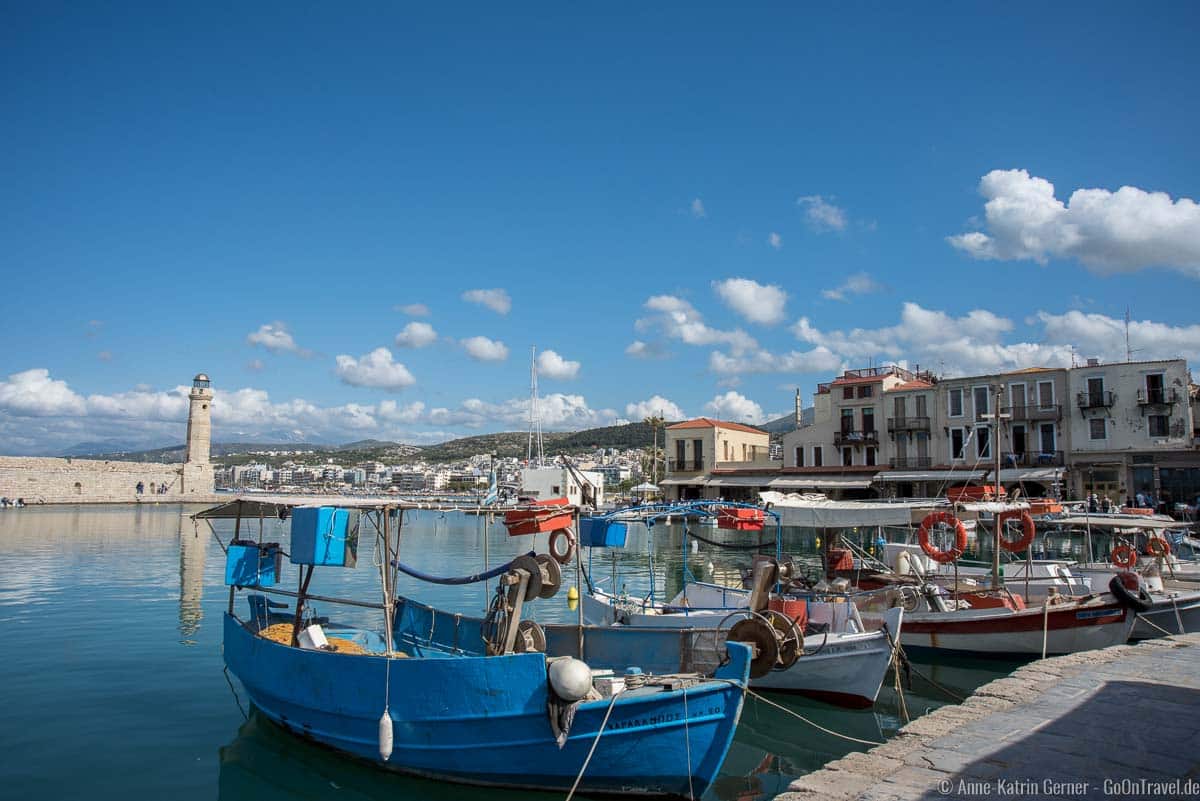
<point x="114" y="683"/>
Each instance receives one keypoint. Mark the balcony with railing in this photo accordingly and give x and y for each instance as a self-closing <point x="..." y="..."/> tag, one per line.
<point x="852" y="437"/>
<point x="910" y="462"/>
<point x="685" y="465"/>
<point x="1033" y="459"/>
<point x="908" y="424"/>
<point x="1094" y="400"/>
<point x="1162" y="396"/>
<point x="1051" y="412"/>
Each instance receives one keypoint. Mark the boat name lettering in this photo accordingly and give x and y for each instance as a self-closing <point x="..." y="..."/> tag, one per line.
<point x="654" y="720"/>
<point x="1095" y="613"/>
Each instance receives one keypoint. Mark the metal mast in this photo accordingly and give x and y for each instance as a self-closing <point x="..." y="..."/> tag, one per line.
<point x="535" y="420"/>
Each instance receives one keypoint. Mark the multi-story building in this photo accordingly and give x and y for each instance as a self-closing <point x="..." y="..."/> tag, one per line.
<point x="1133" y="430"/>
<point x="709" y="458"/>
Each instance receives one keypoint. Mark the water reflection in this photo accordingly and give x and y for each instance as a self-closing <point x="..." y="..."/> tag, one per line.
<point x="193" y="549"/>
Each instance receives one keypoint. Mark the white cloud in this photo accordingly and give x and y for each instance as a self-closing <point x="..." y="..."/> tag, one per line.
<point x="482" y="349"/>
<point x="735" y="407"/>
<point x="413" y="309"/>
<point x="818" y="360"/>
<point x="416" y="335"/>
<point x="856" y="284"/>
<point x="697" y="208"/>
<point x="276" y="338"/>
<point x="375" y="369"/>
<point x="255" y="365"/>
<point x="757" y="302"/>
<point x="821" y="214"/>
<point x="35" y="393"/>
<point x="646" y="350"/>
<point x="775" y="240"/>
<point x="392" y="412"/>
<point x="1104" y="337"/>
<point x="678" y="319"/>
<point x="556" y="410"/>
<point x="1109" y="232"/>
<point x="654" y="406"/>
<point x="551" y="365"/>
<point x="495" y="299"/>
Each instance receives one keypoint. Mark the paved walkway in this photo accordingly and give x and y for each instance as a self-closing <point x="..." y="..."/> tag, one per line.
<point x="1123" y="722"/>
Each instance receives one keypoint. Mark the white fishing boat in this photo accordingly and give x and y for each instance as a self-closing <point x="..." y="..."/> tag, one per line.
<point x="844" y="661"/>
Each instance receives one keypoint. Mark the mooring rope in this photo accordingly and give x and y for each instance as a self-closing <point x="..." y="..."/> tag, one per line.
<point x="595" y="743"/>
<point x="728" y="545"/>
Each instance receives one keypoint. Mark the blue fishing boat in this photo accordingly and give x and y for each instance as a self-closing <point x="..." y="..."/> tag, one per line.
<point x="486" y="704"/>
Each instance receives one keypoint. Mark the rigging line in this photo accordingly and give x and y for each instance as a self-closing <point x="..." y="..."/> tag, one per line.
<point x="595" y="743"/>
<point x="797" y="715"/>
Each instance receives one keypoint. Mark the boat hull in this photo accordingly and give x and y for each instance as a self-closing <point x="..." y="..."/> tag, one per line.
<point x="843" y="669"/>
<point x="1003" y="633"/>
<point x="483" y="720"/>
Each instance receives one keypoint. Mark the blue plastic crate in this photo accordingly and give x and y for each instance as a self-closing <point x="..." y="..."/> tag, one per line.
<point x="249" y="564"/>
<point x="598" y="532"/>
<point x="324" y="535"/>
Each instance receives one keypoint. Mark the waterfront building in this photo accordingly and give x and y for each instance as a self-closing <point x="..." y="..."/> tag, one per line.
<point x="709" y="458"/>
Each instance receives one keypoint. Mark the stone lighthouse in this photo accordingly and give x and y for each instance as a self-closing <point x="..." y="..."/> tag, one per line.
<point x="197" y="471"/>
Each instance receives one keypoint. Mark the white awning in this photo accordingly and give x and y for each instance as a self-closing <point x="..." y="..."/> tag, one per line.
<point x="951" y="476"/>
<point x="698" y="481"/>
<point x="1031" y="474"/>
<point x="738" y="481"/>
<point x="819" y="482"/>
<point x="816" y="512"/>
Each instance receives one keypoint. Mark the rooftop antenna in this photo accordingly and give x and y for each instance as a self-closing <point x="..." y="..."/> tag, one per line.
<point x="1128" y="351"/>
<point x="535" y="420"/>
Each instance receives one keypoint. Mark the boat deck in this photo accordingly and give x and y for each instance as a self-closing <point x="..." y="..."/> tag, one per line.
<point x="1059" y="727"/>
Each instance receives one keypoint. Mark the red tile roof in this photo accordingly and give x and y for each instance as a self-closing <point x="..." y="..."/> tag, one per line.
<point x="708" y="422"/>
<point x="910" y="385"/>
<point x="866" y="379"/>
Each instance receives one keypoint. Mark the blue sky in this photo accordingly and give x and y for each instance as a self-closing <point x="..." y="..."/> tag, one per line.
<point x="738" y="190"/>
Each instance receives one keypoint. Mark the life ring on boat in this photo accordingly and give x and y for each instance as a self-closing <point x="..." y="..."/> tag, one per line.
<point x="1124" y="556"/>
<point x="1136" y="597"/>
<point x="1158" y="547"/>
<point x="960" y="537"/>
<point x="1028" y="530"/>
<point x="562" y="555"/>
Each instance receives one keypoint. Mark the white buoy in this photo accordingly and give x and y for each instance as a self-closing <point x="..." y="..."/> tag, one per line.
<point x="570" y="678"/>
<point x="385" y="736"/>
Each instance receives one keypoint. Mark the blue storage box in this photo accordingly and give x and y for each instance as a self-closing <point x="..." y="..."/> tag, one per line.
<point x="324" y="535"/>
<point x="597" y="532"/>
<point x="249" y="564"/>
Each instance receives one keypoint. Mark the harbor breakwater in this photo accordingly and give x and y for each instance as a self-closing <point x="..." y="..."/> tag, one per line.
<point x="50" y="480"/>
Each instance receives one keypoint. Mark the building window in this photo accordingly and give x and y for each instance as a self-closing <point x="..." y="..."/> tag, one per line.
<point x="921" y="406"/>
<point x="680" y="454"/>
<point x="1159" y="425"/>
<point x="1045" y="394"/>
<point x="818" y="456"/>
<point x="1095" y="393"/>
<point x="1097" y="428"/>
<point x="983" y="442"/>
<point x="868" y="420"/>
<point x="866" y="392"/>
<point x="847" y="457"/>
<point x="981" y="396"/>
<point x="957" y="439"/>
<point x="847" y="393"/>
<point x="800" y="457"/>
<point x="1154" y="389"/>
<point x="698" y="453"/>
<point x="956" y="403"/>
<point x="870" y="456"/>
<point x="847" y="420"/>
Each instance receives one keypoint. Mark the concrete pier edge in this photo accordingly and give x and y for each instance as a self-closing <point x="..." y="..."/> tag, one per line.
<point x="917" y="764"/>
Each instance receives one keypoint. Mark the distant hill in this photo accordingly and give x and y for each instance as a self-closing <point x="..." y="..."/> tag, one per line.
<point x="505" y="444"/>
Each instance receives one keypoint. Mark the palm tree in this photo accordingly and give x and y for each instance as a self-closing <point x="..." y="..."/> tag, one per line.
<point x="654" y="421"/>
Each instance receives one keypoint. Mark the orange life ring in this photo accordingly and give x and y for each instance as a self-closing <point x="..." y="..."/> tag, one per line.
<point x="1124" y="556"/>
<point x="960" y="537"/>
<point x="1158" y="547"/>
<point x="558" y="536"/>
<point x="1028" y="530"/>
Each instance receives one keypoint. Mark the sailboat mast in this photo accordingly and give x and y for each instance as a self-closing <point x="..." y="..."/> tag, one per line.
<point x="535" y="420"/>
<point x="996" y="494"/>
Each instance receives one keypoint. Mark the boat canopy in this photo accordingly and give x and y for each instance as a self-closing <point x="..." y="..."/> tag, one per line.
<point x="1121" y="522"/>
<point x="817" y="511"/>
<point x="819" y="482"/>
<point x="931" y="475"/>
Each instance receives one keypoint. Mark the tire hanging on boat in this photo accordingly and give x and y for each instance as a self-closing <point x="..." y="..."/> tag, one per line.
<point x="1124" y="556"/>
<point x="1136" y="598"/>
<point x="932" y="551"/>
<point x="1028" y="530"/>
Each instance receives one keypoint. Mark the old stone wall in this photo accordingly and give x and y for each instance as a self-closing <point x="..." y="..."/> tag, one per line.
<point x="44" y="480"/>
